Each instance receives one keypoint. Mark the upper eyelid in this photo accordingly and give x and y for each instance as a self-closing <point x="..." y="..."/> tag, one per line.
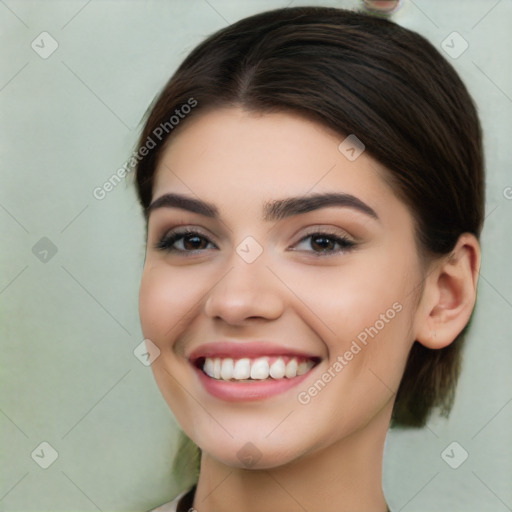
<point x="182" y="228"/>
<point x="315" y="227"/>
<point x="309" y="230"/>
<point x="330" y="231"/>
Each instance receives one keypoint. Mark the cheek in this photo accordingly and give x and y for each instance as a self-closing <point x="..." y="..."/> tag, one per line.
<point x="166" y="298"/>
<point x="351" y="297"/>
<point x="156" y="304"/>
<point x="364" y="315"/>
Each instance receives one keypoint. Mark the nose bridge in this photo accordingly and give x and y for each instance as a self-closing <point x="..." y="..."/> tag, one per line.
<point x="248" y="275"/>
<point x="248" y="289"/>
<point x="248" y="266"/>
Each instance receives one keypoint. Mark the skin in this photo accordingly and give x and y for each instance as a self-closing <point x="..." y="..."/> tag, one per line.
<point x="327" y="454"/>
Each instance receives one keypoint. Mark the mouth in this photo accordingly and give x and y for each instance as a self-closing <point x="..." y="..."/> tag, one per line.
<point x="255" y="369"/>
<point x="250" y="371"/>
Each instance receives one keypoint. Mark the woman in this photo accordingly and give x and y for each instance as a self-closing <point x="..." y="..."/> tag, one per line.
<point x="312" y="181"/>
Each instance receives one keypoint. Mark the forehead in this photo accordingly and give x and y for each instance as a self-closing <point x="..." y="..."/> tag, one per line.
<point x="231" y="156"/>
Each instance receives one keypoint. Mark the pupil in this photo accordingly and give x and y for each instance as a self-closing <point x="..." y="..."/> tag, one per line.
<point x="325" y="243"/>
<point x="193" y="240"/>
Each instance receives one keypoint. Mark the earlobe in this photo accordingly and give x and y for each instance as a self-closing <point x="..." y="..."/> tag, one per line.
<point x="449" y="294"/>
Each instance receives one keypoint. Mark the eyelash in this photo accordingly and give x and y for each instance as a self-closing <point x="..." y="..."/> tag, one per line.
<point x="167" y="241"/>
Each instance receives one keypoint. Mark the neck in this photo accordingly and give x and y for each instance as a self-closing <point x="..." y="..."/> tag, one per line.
<point x="344" y="476"/>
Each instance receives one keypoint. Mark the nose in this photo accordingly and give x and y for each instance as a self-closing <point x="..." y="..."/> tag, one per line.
<point x="248" y="291"/>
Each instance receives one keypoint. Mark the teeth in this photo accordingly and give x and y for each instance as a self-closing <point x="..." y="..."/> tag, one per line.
<point x="291" y="369"/>
<point x="208" y="367"/>
<point x="278" y="369"/>
<point x="216" y="368"/>
<point x="242" y="369"/>
<point x="255" y="369"/>
<point x="260" y="369"/>
<point x="304" y="367"/>
<point x="226" y="370"/>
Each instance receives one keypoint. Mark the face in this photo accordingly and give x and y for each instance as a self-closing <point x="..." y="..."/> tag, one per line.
<point x="282" y="321"/>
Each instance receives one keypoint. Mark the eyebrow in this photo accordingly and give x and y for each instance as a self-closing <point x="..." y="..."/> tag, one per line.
<point x="272" y="210"/>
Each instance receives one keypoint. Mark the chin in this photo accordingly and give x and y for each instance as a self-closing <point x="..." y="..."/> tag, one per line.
<point x="254" y="455"/>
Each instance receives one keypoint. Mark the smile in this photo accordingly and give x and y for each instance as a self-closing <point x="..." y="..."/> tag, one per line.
<point x="252" y="370"/>
<point x="261" y="368"/>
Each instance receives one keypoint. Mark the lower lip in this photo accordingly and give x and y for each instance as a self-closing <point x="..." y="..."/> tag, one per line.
<point x="232" y="391"/>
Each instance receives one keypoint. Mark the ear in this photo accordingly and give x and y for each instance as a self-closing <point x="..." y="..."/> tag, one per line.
<point x="449" y="294"/>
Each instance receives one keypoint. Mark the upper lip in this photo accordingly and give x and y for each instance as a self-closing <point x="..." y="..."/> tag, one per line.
<point x="250" y="349"/>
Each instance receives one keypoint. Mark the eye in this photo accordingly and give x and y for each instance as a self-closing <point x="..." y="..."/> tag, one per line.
<point x="187" y="240"/>
<point x="324" y="243"/>
<point x="191" y="241"/>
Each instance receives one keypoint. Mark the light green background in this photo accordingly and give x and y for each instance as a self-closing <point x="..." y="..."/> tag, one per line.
<point x="69" y="325"/>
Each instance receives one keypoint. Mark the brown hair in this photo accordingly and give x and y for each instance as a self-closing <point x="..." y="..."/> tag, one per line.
<point x="360" y="75"/>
